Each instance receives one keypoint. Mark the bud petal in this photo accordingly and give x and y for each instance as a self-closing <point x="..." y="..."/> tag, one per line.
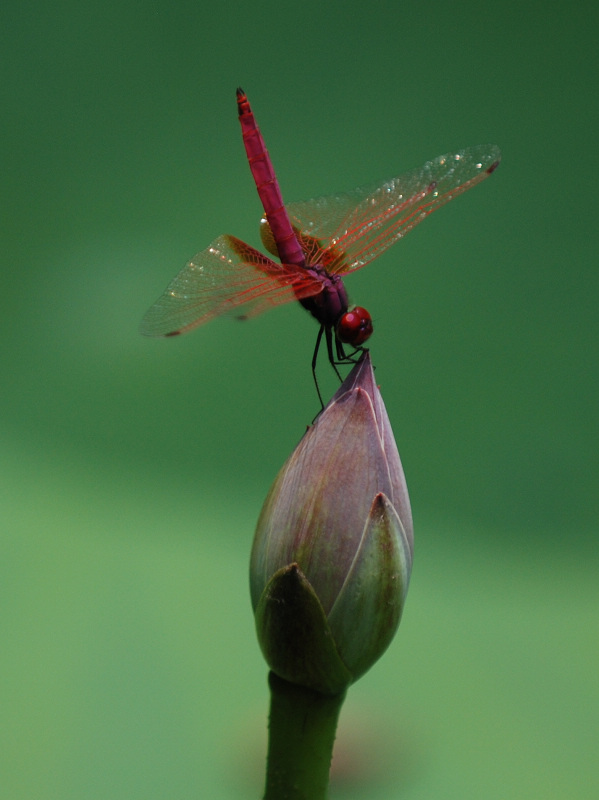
<point x="295" y="636"/>
<point x="368" y="608"/>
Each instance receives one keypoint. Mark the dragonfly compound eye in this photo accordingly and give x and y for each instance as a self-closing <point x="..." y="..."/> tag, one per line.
<point x="354" y="327"/>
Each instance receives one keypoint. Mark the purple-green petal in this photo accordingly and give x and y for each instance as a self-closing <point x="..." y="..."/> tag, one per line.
<point x="368" y="609"/>
<point x="294" y="634"/>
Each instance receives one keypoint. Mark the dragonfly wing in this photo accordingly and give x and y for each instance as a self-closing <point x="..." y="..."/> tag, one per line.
<point x="229" y="277"/>
<point x="346" y="231"/>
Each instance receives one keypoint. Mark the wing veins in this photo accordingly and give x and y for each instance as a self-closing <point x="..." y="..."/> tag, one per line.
<point x="218" y="280"/>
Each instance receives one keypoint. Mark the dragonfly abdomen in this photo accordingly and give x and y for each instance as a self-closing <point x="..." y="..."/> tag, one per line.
<point x="267" y="185"/>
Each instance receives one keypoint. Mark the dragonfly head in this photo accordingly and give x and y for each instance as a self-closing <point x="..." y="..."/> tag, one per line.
<point x="354" y="327"/>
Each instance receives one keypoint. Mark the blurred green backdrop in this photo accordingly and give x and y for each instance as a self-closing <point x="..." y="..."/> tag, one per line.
<point x="133" y="470"/>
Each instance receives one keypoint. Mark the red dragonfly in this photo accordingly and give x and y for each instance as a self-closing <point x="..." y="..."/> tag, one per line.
<point x="316" y="241"/>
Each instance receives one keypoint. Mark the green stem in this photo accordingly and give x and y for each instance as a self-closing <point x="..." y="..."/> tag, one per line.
<point x="301" y="736"/>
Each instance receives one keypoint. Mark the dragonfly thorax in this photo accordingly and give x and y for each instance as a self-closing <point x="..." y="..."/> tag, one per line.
<point x="329" y="305"/>
<point x="331" y="308"/>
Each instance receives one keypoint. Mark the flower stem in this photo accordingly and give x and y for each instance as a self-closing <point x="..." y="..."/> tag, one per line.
<point x="301" y="736"/>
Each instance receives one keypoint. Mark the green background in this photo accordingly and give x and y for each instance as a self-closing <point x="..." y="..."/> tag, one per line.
<point x="133" y="470"/>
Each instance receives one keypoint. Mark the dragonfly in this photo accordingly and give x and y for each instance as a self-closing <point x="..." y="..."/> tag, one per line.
<point x="316" y="243"/>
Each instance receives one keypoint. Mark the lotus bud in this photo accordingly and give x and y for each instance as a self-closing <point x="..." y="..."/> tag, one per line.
<point x="333" y="548"/>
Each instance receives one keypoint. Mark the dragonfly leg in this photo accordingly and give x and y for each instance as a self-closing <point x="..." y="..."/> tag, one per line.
<point x="343" y="357"/>
<point x="314" y="359"/>
<point x="329" y="337"/>
<point x="336" y="357"/>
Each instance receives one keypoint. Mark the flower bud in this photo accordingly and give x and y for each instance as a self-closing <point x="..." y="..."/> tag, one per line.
<point x="333" y="548"/>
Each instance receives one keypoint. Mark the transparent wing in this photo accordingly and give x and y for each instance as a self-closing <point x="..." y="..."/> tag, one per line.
<point x="346" y="231"/>
<point x="228" y="275"/>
